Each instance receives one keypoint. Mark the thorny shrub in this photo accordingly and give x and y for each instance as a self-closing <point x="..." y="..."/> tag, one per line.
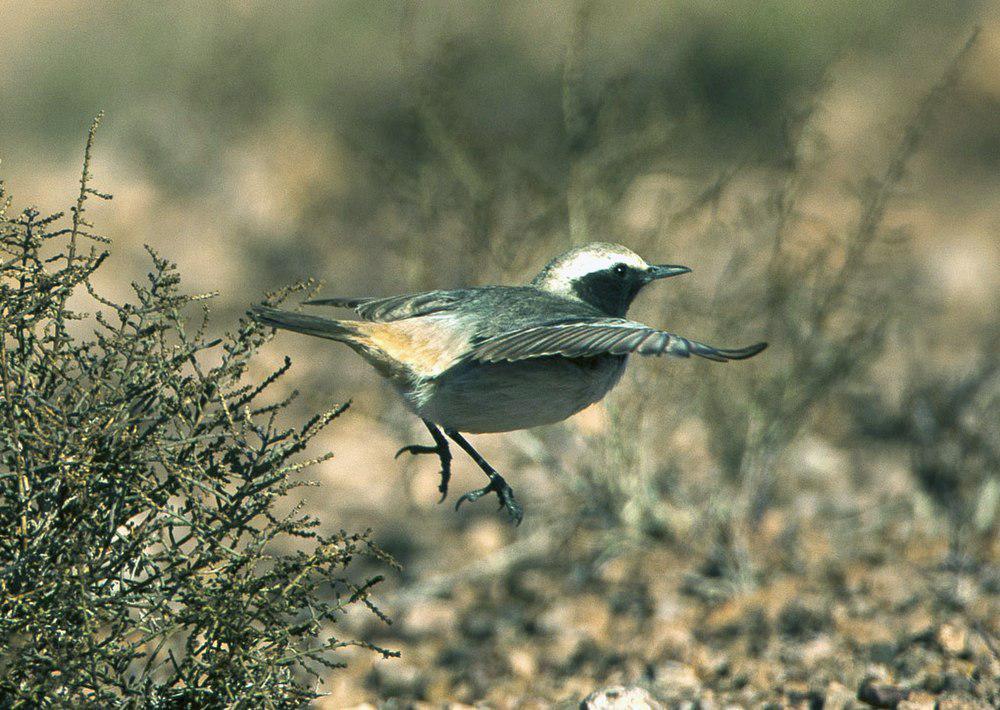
<point x="143" y="560"/>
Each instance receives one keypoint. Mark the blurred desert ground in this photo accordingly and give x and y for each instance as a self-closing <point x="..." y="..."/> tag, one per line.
<point x="708" y="531"/>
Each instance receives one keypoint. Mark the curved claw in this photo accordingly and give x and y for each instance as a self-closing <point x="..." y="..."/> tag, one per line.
<point x="514" y="509"/>
<point x="504" y="492"/>
<point x="442" y="453"/>
<point x="416" y="449"/>
<point x="472" y="496"/>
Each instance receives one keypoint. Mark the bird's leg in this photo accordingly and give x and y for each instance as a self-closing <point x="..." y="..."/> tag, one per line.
<point x="496" y="485"/>
<point x="440" y="448"/>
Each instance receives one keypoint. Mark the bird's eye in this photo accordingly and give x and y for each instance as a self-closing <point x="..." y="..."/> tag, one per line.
<point x="620" y="269"/>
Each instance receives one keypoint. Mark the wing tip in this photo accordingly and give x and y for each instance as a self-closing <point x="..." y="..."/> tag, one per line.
<point x="745" y="353"/>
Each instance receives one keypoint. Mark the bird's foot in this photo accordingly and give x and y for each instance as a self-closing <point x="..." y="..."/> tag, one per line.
<point x="443" y="454"/>
<point x="504" y="492"/>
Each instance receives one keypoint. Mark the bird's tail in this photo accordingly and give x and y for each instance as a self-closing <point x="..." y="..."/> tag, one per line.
<point x="344" y="331"/>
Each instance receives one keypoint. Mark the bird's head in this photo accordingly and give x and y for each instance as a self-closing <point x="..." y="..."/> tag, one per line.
<point x="607" y="276"/>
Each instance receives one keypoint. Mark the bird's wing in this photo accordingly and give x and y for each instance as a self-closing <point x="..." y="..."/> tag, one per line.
<point x="611" y="336"/>
<point x="397" y="307"/>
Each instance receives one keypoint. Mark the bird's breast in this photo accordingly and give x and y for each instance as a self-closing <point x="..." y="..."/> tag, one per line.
<point x="479" y="397"/>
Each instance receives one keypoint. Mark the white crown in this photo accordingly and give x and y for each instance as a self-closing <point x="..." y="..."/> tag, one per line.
<point x="560" y="273"/>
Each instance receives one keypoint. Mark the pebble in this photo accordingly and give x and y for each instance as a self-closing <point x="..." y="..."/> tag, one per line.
<point x="397" y="678"/>
<point x="918" y="701"/>
<point x="838" y="697"/>
<point x="431" y="616"/>
<point x="620" y="697"/>
<point x="676" y="679"/>
<point x="957" y="704"/>
<point x="881" y="695"/>
<point x="952" y="639"/>
<point x="522" y="663"/>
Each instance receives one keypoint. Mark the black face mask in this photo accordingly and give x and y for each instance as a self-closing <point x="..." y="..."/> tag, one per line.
<point x="609" y="291"/>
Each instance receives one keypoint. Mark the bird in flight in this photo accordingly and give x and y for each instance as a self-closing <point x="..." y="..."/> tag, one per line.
<point x="501" y="358"/>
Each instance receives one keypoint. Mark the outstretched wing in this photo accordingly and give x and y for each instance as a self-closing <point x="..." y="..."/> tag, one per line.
<point x="589" y="338"/>
<point x="397" y="307"/>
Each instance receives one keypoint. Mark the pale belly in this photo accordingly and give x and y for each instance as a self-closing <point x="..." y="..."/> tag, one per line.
<point x="479" y="398"/>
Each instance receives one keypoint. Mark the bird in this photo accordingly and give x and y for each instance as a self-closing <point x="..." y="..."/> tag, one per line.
<point x="502" y="358"/>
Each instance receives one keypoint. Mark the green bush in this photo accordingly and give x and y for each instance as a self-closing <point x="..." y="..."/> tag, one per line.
<point x="143" y="560"/>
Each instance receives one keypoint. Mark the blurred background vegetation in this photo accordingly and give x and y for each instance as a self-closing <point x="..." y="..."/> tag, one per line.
<point x="830" y="170"/>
